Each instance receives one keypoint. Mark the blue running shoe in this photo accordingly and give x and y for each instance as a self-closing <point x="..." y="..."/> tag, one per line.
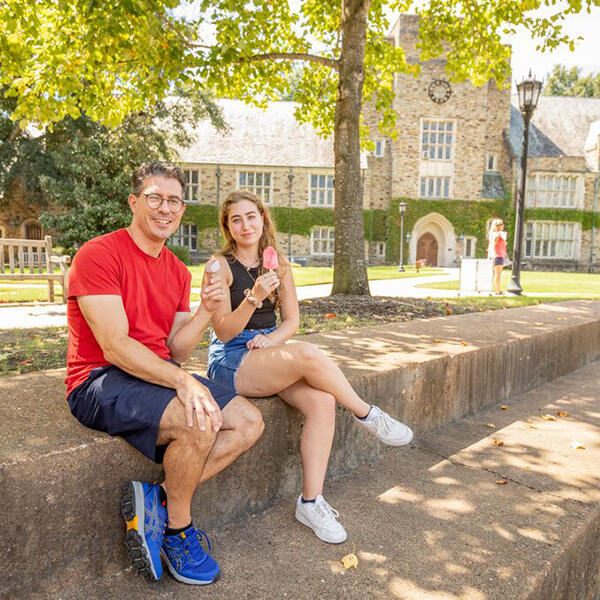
<point x="146" y="519"/>
<point x="187" y="560"/>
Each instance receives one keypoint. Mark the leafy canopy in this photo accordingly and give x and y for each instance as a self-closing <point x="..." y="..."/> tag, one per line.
<point x="570" y="82"/>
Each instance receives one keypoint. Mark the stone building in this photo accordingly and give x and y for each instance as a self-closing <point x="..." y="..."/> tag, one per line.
<point x="454" y="160"/>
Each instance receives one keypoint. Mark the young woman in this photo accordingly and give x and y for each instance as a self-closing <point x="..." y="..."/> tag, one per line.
<point x="497" y="252"/>
<point x="249" y="353"/>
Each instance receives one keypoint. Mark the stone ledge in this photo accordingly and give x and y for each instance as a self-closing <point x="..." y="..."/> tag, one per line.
<point x="61" y="481"/>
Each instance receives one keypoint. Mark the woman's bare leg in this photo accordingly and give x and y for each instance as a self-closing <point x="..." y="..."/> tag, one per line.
<point x="318" y="409"/>
<point x="497" y="278"/>
<point x="268" y="371"/>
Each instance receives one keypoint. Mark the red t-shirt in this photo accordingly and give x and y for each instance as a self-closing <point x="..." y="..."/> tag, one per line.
<point x="500" y="246"/>
<point x="153" y="289"/>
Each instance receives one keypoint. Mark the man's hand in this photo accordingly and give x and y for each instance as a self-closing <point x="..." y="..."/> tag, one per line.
<point x="199" y="404"/>
<point x="213" y="286"/>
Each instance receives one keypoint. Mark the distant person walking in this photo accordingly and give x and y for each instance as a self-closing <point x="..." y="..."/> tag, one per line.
<point x="497" y="252"/>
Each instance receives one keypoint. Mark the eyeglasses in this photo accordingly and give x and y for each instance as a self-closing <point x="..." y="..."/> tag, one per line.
<point x="155" y="201"/>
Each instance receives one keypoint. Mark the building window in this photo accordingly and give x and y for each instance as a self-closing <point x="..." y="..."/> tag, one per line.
<point x="186" y="236"/>
<point x="379" y="148"/>
<point x="321" y="190"/>
<point x="33" y="231"/>
<point x="436" y="140"/>
<point x="555" y="191"/>
<point x="322" y="241"/>
<point x="435" y="187"/>
<point x="380" y="249"/>
<point x="491" y="163"/>
<point x="193" y="186"/>
<point x="469" y="246"/>
<point x="550" y="239"/>
<point x="258" y="183"/>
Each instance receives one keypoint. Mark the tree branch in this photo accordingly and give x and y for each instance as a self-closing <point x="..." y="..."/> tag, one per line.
<point x="328" y="62"/>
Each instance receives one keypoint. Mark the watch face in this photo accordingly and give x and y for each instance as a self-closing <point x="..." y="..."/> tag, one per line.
<point x="439" y="91"/>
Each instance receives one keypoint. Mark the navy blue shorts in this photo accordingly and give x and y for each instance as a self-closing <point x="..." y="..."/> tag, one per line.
<point x="118" y="403"/>
<point x="498" y="261"/>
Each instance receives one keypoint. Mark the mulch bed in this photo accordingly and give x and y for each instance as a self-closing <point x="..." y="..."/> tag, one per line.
<point x="380" y="308"/>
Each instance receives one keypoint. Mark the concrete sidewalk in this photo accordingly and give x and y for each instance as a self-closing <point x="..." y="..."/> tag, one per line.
<point x="453" y="517"/>
<point x="55" y="315"/>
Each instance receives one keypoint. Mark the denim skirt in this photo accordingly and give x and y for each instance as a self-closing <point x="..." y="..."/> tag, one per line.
<point x="224" y="359"/>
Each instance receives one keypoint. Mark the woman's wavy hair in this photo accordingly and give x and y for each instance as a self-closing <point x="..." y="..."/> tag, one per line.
<point x="493" y="226"/>
<point x="268" y="237"/>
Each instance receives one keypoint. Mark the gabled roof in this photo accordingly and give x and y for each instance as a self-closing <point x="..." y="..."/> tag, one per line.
<point x="262" y="137"/>
<point x="559" y="126"/>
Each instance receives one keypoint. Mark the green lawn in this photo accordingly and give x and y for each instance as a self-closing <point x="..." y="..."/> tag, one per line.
<point x="536" y="282"/>
<point x="317" y="275"/>
<point x="29" y="294"/>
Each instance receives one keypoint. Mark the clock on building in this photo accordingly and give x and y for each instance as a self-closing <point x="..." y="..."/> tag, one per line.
<point x="439" y="91"/>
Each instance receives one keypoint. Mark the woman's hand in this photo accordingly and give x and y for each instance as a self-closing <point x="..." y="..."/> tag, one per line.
<point x="259" y="341"/>
<point x="265" y="284"/>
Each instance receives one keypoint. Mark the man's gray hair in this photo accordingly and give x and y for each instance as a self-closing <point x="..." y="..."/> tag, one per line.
<point x="158" y="169"/>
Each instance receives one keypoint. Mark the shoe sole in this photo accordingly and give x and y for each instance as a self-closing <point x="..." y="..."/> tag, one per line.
<point x="401" y="442"/>
<point x="183" y="578"/>
<point x="304" y="521"/>
<point x="133" y="510"/>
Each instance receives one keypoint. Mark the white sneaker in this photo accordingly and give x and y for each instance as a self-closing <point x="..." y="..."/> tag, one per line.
<point x="385" y="428"/>
<point x="322" y="519"/>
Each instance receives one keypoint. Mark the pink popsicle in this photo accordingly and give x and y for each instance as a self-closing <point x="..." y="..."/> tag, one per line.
<point x="270" y="260"/>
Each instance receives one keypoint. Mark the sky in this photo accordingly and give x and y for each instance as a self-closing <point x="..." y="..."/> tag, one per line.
<point x="586" y="54"/>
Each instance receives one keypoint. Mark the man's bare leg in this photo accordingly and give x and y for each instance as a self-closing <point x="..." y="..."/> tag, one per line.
<point x="193" y="456"/>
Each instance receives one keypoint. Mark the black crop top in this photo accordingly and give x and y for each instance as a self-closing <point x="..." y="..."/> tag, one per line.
<point x="243" y="279"/>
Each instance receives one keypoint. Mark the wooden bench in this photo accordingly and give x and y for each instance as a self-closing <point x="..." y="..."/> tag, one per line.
<point x="33" y="260"/>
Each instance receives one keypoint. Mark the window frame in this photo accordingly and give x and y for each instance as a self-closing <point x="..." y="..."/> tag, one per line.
<point x="535" y="197"/>
<point x="182" y="236"/>
<point x="189" y="194"/>
<point x="254" y="187"/>
<point x="318" y="189"/>
<point x="327" y="240"/>
<point x="447" y="147"/>
<point x="494" y="166"/>
<point x="532" y="241"/>
<point x="381" y="152"/>
<point x="443" y="179"/>
<point x="473" y="243"/>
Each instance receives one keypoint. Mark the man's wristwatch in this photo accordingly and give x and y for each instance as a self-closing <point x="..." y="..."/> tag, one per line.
<point x="252" y="299"/>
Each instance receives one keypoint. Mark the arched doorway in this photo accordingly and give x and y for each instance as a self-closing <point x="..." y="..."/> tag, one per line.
<point x="427" y="249"/>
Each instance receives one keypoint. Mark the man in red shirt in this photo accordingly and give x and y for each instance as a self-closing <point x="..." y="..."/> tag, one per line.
<point x="129" y="328"/>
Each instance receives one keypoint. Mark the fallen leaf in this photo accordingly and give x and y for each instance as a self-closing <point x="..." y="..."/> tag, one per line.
<point x="532" y="426"/>
<point x="498" y="443"/>
<point x="436" y="341"/>
<point x="548" y="417"/>
<point x="562" y="413"/>
<point x="463" y="343"/>
<point x="504" y="407"/>
<point x="490" y="425"/>
<point x="350" y="560"/>
<point x="329" y="316"/>
<point x="528" y="468"/>
<point x="577" y="445"/>
<point x="501" y="482"/>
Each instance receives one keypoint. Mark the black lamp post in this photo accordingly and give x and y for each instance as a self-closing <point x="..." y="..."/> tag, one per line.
<point x="402" y="210"/>
<point x="529" y="92"/>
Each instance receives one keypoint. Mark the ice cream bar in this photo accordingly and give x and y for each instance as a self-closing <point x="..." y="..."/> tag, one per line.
<point x="213" y="265"/>
<point x="270" y="260"/>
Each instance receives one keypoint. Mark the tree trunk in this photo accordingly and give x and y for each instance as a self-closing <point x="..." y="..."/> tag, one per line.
<point x="350" y="268"/>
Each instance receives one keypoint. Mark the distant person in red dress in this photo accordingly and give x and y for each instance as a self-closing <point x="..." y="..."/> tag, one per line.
<point x="497" y="252"/>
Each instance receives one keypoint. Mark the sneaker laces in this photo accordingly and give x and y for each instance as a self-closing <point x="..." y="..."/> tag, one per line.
<point x="384" y="423"/>
<point x="193" y="546"/>
<point x="326" y="510"/>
